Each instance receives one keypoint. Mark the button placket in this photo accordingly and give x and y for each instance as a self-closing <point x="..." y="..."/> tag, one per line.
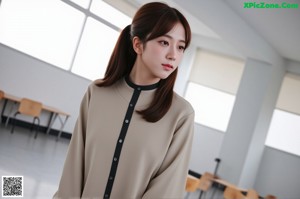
<point x="120" y="142"/>
<point x="126" y="123"/>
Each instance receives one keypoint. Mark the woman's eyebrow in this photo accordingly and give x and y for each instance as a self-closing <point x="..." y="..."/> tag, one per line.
<point x="170" y="37"/>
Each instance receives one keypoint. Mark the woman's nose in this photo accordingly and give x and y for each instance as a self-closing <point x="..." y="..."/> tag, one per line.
<point x="171" y="54"/>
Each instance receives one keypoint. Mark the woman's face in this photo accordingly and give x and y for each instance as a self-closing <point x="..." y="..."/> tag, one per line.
<point x="162" y="55"/>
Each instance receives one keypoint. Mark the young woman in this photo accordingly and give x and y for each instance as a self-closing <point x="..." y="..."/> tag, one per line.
<point x="133" y="136"/>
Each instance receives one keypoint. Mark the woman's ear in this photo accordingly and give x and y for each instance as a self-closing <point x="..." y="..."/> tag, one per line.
<point x="137" y="45"/>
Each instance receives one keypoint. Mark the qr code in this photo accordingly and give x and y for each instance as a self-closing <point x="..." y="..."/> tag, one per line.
<point x="12" y="186"/>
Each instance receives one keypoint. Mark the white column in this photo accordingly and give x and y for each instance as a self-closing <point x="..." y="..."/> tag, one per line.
<point x="243" y="142"/>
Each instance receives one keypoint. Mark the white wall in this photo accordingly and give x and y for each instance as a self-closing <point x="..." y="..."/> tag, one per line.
<point x="206" y="147"/>
<point x="279" y="174"/>
<point x="293" y="66"/>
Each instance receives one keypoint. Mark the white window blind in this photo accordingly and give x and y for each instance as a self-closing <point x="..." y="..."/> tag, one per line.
<point x="289" y="96"/>
<point x="217" y="71"/>
<point x="284" y="131"/>
<point x="214" y="81"/>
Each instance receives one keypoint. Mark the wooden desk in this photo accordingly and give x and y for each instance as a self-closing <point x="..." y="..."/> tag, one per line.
<point x="55" y="113"/>
<point x="220" y="182"/>
<point x="228" y="184"/>
<point x="192" y="183"/>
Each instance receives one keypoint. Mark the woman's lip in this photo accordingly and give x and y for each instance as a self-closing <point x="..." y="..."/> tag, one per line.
<point x="167" y="65"/>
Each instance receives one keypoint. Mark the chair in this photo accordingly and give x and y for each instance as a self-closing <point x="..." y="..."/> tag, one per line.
<point x="206" y="181"/>
<point x="191" y="185"/>
<point x="270" y="197"/>
<point x="30" y="108"/>
<point x="1" y="94"/>
<point x="252" y="194"/>
<point x="233" y="193"/>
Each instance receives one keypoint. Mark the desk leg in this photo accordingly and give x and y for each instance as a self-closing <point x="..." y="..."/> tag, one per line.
<point x="62" y="127"/>
<point x="51" y="121"/>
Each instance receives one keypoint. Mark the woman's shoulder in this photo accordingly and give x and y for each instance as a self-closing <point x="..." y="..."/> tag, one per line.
<point x="92" y="87"/>
<point x="97" y="85"/>
<point x="97" y="82"/>
<point x="182" y="104"/>
<point x="95" y="89"/>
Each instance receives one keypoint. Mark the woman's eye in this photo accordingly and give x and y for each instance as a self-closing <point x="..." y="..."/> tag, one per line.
<point x="164" y="43"/>
<point x="182" y="48"/>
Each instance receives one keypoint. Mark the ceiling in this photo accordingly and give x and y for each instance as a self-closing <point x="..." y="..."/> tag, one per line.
<point x="226" y="26"/>
<point x="279" y="27"/>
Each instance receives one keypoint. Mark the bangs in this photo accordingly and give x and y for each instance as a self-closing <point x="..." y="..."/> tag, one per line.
<point x="166" y="23"/>
<point x="163" y="26"/>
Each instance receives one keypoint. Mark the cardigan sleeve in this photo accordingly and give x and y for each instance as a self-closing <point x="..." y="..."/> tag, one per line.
<point x="71" y="182"/>
<point x="170" y="180"/>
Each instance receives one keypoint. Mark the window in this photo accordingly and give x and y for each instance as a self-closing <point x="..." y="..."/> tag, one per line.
<point x="213" y="83"/>
<point x="110" y="14"/>
<point x="212" y="107"/>
<point x="284" y="130"/>
<point x="62" y="34"/>
<point x="82" y="3"/>
<point x="38" y="28"/>
<point x="96" y="45"/>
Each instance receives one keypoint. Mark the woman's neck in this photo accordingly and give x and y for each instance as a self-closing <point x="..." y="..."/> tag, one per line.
<point x="140" y="76"/>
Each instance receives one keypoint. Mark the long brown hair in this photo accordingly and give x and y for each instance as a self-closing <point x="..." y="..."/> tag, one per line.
<point x="152" y="20"/>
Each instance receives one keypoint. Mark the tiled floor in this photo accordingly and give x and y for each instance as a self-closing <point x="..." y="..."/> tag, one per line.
<point x="39" y="161"/>
<point x="210" y="194"/>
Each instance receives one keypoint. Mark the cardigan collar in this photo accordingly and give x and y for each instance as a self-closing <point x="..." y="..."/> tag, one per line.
<point x="140" y="87"/>
<point x="125" y="88"/>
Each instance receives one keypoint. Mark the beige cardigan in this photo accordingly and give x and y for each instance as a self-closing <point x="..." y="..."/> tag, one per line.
<point x="154" y="158"/>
